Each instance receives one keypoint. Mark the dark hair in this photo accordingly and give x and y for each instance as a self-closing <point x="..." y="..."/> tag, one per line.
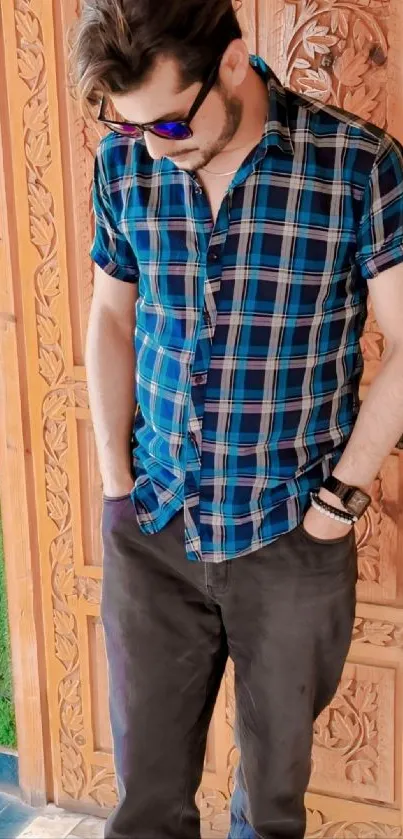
<point x="117" y="42"/>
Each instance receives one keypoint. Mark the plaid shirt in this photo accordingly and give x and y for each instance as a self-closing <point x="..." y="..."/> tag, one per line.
<point x="247" y="331"/>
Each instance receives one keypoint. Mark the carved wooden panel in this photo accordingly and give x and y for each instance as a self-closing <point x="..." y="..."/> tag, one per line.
<point x="346" y="52"/>
<point x="336" y="53"/>
<point x="318" y="827"/>
<point x="353" y="739"/>
<point x="378" y="536"/>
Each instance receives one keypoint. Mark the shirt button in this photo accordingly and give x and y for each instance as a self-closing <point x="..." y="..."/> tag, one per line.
<point x="198" y="190"/>
<point x="213" y="255"/>
<point x="199" y="379"/>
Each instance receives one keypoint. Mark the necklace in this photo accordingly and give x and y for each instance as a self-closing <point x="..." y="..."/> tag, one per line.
<point x="218" y="174"/>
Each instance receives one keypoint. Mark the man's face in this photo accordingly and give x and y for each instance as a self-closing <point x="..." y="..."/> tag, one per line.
<point x="161" y="98"/>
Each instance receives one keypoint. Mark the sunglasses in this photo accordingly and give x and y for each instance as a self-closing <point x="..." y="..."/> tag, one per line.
<point x="166" y="129"/>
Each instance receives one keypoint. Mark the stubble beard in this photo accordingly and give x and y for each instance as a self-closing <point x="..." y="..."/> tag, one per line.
<point x="233" y="111"/>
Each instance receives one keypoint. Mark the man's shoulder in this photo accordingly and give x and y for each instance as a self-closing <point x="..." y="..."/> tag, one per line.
<point x="330" y="123"/>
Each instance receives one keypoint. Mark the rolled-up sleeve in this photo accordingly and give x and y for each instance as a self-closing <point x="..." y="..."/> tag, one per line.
<point x="111" y="250"/>
<point x="380" y="235"/>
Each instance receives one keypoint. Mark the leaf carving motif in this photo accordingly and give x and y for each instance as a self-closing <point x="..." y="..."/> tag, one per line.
<point x="330" y="54"/>
<point x="30" y="65"/>
<point x="350" y="67"/>
<point x="317" y="83"/>
<point x="319" y="827"/>
<point x="78" y="781"/>
<point x="378" y="633"/>
<point x="27" y="26"/>
<point x="349" y="727"/>
<point x="317" y="40"/>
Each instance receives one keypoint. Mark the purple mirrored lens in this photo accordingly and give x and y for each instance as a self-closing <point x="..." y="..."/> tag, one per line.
<point x="131" y="130"/>
<point x="126" y="128"/>
<point x="172" y="130"/>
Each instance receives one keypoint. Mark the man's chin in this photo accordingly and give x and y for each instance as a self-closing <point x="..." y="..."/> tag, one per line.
<point x="188" y="162"/>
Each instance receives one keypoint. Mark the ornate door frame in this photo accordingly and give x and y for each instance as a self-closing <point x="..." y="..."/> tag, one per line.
<point x="49" y="481"/>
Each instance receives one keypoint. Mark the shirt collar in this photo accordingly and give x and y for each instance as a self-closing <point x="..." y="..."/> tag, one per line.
<point x="277" y="128"/>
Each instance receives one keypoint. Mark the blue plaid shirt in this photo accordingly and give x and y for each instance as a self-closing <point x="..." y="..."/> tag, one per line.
<point x="247" y="330"/>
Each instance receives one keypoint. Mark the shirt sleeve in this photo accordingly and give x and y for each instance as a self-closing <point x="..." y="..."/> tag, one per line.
<point x="111" y="250"/>
<point x="380" y="235"/>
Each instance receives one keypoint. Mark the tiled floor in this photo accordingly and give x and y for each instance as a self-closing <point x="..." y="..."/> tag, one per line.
<point x="57" y="824"/>
<point x="18" y="820"/>
<point x="14" y="815"/>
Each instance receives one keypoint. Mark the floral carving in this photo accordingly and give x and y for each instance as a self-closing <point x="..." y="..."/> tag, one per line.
<point x="214" y="813"/>
<point x="318" y="827"/>
<point x="229" y="694"/>
<point x="78" y="780"/>
<point x="378" y="633"/>
<point x="84" y="140"/>
<point x="368" y="537"/>
<point x="89" y="589"/>
<point x="101" y="787"/>
<point x="353" y="741"/>
<point x="232" y="764"/>
<point x="85" y="134"/>
<point x="32" y="70"/>
<point x="349" y="727"/>
<point x="336" y="51"/>
<point x="377" y="537"/>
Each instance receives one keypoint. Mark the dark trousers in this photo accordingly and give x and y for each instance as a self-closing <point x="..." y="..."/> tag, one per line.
<point x="284" y="614"/>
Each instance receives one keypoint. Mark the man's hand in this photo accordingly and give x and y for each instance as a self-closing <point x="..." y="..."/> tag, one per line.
<point x="115" y="487"/>
<point x="323" y="527"/>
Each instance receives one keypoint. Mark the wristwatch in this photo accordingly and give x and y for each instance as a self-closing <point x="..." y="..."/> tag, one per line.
<point x="355" y="500"/>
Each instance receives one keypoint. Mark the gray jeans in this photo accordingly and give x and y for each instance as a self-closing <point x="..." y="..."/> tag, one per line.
<point x="284" y="614"/>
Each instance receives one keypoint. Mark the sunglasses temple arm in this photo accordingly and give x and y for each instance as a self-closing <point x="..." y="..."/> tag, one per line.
<point x="204" y="91"/>
<point x="101" y="109"/>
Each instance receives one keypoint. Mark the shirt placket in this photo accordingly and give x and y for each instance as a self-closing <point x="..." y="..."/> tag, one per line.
<point x="198" y="381"/>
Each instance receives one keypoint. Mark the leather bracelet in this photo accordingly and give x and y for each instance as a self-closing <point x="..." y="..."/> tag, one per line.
<point x="331" y="512"/>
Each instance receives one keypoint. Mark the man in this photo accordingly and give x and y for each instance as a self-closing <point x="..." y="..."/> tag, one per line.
<point x="244" y="227"/>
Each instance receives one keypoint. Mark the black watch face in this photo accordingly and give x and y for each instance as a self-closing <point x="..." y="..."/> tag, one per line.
<point x="357" y="503"/>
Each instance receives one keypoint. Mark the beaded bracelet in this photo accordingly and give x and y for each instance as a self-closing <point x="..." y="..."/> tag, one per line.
<point x="330" y="511"/>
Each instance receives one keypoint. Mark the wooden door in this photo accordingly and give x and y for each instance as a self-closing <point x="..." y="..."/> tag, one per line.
<point x="349" y="52"/>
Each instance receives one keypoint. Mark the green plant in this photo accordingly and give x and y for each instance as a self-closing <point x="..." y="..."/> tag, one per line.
<point x="8" y="735"/>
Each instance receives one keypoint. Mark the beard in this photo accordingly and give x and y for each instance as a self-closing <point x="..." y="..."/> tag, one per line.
<point x="233" y="116"/>
<point x="233" y="110"/>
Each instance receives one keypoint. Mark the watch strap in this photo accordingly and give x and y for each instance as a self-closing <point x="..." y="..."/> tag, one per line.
<point x="337" y="487"/>
<point x="354" y="500"/>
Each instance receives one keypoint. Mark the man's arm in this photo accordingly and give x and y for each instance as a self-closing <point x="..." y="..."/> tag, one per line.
<point x="380" y="421"/>
<point x="110" y="373"/>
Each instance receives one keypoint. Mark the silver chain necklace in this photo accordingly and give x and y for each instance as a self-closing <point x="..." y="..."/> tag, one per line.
<point x="219" y="174"/>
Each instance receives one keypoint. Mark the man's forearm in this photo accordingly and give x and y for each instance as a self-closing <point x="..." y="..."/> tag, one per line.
<point x="378" y="428"/>
<point x="110" y="376"/>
